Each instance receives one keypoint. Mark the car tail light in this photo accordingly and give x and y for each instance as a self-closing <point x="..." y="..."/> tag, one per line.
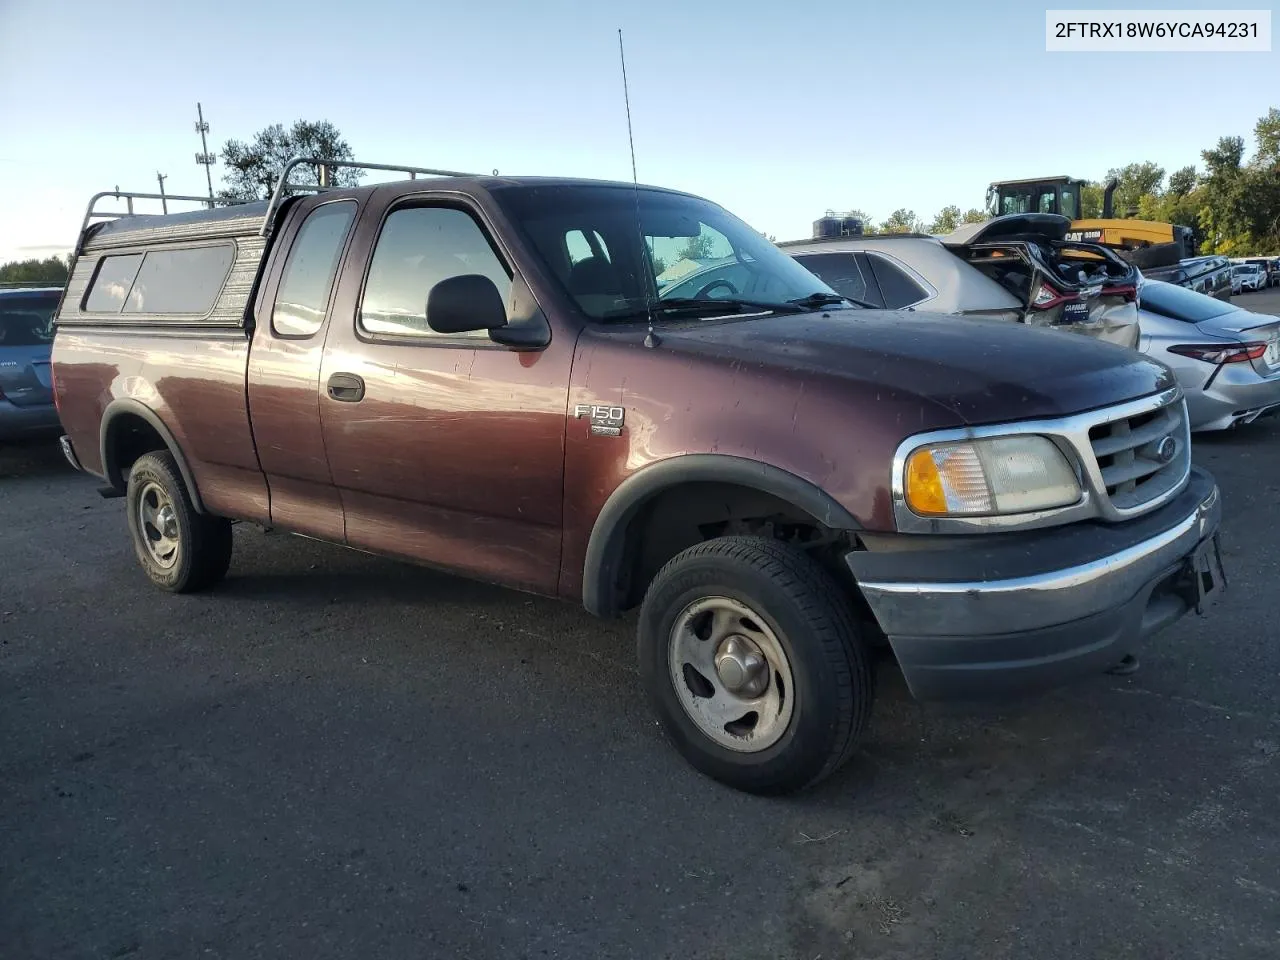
<point x="1127" y="290"/>
<point x="1048" y="296"/>
<point x="1221" y="353"/>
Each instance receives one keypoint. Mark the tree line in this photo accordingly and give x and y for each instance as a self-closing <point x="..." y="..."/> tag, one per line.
<point x="1231" y="202"/>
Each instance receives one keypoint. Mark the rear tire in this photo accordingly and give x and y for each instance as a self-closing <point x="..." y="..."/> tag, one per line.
<point x="179" y="549"/>
<point x="799" y="667"/>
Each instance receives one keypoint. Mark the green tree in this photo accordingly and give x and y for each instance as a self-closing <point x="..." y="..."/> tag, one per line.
<point x="697" y="248"/>
<point x="1224" y="213"/>
<point x="1134" y="181"/>
<point x="1182" y="181"/>
<point x="1266" y="133"/>
<point x="252" y="169"/>
<point x="1091" y="201"/>
<point x="946" y="221"/>
<point x="973" y="215"/>
<point x="50" y="270"/>
<point x="901" y="220"/>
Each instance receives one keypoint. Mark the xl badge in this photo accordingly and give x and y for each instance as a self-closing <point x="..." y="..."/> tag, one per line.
<point x="606" y="421"/>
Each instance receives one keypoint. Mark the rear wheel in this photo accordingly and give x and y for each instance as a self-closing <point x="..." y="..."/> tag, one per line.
<point x="752" y="662"/>
<point x="179" y="549"/>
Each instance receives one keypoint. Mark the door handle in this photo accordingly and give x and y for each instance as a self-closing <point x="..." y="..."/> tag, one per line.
<point x="346" y="387"/>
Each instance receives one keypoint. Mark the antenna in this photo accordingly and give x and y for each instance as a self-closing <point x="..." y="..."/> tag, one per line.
<point x="651" y="339"/>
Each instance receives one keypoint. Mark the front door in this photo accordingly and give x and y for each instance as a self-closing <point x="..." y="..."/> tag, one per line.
<point x="448" y="449"/>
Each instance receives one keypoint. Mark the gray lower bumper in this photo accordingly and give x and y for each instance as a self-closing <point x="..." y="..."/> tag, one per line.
<point x="1037" y="611"/>
<point x="18" y="422"/>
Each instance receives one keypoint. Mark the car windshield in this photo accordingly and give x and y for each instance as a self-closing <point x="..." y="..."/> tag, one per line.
<point x="694" y="257"/>
<point x="1179" y="303"/>
<point x="26" y="321"/>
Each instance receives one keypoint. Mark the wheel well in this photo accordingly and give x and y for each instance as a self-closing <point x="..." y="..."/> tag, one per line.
<point x="132" y="432"/>
<point x="129" y="436"/>
<point x="679" y="517"/>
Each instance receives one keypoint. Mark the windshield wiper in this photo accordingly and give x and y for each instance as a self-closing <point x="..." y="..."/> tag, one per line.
<point x="695" y="306"/>
<point x="815" y="300"/>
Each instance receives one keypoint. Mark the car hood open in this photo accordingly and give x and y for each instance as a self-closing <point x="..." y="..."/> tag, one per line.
<point x="1050" y="226"/>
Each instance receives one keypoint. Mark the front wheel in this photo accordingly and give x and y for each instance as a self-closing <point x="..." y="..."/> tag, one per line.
<point x="179" y="549"/>
<point x="753" y="664"/>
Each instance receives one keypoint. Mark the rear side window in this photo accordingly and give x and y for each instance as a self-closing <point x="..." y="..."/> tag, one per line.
<point x="419" y="247"/>
<point x="112" y="283"/>
<point x="303" y="296"/>
<point x="183" y="281"/>
<point x="180" y="281"/>
<point x="844" y="273"/>
<point x="898" y="289"/>
<point x="1179" y="303"/>
<point x="26" y="321"/>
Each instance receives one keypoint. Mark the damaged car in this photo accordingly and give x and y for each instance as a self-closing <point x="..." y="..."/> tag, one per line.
<point x="1018" y="268"/>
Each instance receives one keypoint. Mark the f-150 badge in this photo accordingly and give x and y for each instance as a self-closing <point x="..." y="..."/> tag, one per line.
<point x="606" y="421"/>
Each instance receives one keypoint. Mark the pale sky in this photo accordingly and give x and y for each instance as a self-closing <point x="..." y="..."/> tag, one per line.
<point x="775" y="110"/>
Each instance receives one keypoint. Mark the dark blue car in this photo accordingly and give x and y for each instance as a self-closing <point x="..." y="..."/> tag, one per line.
<point x="26" y="338"/>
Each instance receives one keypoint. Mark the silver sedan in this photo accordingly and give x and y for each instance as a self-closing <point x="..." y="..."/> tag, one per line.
<point x="1226" y="359"/>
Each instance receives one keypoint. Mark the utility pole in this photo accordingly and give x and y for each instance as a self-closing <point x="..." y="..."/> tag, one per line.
<point x="164" y="204"/>
<point x="204" y="157"/>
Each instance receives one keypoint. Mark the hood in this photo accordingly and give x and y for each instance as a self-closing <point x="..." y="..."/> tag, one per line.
<point x="979" y="371"/>
<point x="1050" y="226"/>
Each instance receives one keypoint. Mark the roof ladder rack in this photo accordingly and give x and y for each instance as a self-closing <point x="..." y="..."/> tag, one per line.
<point x="128" y="197"/>
<point x="283" y="185"/>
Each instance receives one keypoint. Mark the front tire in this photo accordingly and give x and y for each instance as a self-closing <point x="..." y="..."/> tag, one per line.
<point x="179" y="549"/>
<point x="752" y="662"/>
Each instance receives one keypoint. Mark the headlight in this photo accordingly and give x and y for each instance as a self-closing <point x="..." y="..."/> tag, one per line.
<point x="997" y="475"/>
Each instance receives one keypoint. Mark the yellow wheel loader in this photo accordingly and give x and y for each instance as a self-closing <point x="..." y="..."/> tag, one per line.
<point x="1144" y="243"/>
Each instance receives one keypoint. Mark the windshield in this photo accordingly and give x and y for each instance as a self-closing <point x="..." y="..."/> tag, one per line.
<point x="26" y="321"/>
<point x="1179" y="303"/>
<point x="691" y="250"/>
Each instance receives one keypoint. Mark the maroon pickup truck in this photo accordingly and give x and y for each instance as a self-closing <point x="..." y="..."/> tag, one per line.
<point x="481" y="373"/>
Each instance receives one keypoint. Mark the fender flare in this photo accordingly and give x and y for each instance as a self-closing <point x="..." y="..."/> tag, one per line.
<point x="608" y="536"/>
<point x="127" y="405"/>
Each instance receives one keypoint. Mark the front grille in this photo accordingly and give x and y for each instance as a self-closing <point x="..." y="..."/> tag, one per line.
<point x="1135" y="458"/>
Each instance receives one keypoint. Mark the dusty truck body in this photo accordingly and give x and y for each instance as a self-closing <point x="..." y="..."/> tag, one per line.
<point x="475" y="373"/>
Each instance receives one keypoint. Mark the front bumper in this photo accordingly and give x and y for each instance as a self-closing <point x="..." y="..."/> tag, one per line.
<point x="17" y="422"/>
<point x="1035" y="610"/>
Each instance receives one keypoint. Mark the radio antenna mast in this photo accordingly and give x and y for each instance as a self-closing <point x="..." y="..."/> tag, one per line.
<point x="651" y="338"/>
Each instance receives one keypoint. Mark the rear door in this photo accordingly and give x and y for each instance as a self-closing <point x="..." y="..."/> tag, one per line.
<point x="26" y="340"/>
<point x="284" y="368"/>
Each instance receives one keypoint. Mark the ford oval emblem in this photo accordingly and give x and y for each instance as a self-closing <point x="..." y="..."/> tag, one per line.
<point x="1166" y="450"/>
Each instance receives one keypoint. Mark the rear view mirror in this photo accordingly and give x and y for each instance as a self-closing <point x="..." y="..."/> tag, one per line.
<point x="464" y="304"/>
<point x="663" y="223"/>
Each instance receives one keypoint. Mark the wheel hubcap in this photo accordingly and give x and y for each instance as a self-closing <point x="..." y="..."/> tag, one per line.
<point x="731" y="674"/>
<point x="158" y="524"/>
<point x="741" y="666"/>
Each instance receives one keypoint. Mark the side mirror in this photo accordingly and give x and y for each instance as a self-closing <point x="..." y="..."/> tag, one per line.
<point x="464" y="304"/>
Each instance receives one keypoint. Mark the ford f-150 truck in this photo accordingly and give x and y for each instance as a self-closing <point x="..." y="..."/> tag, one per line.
<point x="479" y="373"/>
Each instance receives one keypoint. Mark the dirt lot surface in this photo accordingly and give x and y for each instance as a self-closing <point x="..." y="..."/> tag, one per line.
<point x="337" y="756"/>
